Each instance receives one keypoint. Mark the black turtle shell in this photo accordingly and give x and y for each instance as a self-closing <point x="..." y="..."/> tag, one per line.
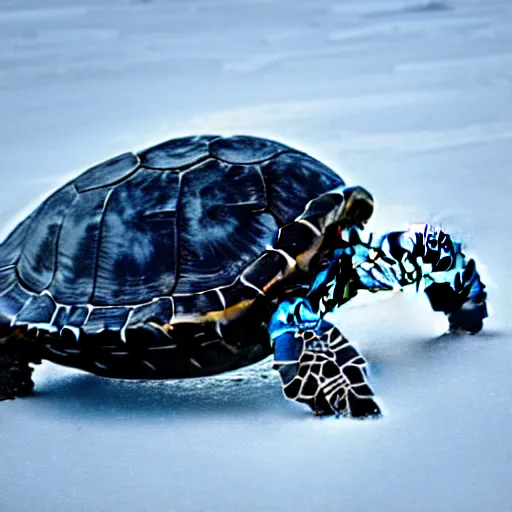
<point x="135" y="237"/>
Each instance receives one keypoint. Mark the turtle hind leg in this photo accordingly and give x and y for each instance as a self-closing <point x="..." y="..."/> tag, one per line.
<point x="15" y="370"/>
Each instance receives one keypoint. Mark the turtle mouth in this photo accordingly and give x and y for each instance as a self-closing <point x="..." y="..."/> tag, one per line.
<point x="358" y="207"/>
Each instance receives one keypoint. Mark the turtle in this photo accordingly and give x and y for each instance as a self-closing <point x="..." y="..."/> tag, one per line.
<point x="207" y="253"/>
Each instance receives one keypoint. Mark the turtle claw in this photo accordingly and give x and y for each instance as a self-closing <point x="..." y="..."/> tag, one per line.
<point x="358" y="408"/>
<point x="363" y="408"/>
<point x="468" y="319"/>
<point x="348" y="404"/>
<point x="352" y="397"/>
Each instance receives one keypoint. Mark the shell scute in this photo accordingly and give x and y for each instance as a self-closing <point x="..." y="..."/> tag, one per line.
<point x="78" y="246"/>
<point x="37" y="263"/>
<point x="72" y="316"/>
<point x="13" y="300"/>
<point x="268" y="268"/>
<point x="38" y="309"/>
<point x="222" y="228"/>
<point x="160" y="311"/>
<point x="239" y="293"/>
<point x="176" y="154"/>
<point x="8" y="279"/>
<point x="12" y="246"/>
<point x="107" y="173"/>
<point x="197" y="304"/>
<point x="243" y="149"/>
<point x="102" y="319"/>
<point x="292" y="180"/>
<point x="137" y="253"/>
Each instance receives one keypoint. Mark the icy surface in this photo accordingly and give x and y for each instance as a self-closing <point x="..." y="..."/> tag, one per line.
<point x="410" y="98"/>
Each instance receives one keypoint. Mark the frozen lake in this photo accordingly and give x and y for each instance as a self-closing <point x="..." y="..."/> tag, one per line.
<point x="410" y="98"/>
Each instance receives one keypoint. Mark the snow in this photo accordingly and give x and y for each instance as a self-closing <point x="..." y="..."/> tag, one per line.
<point x="410" y="98"/>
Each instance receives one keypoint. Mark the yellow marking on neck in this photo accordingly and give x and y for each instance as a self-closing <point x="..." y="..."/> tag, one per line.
<point x="229" y="314"/>
<point x="304" y="259"/>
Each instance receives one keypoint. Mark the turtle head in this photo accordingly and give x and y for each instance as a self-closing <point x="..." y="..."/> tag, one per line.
<point x="357" y="207"/>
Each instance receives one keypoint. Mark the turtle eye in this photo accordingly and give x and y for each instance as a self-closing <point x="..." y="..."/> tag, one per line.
<point x="431" y="242"/>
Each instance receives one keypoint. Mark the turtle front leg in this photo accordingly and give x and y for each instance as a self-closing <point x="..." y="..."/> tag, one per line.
<point x="319" y="367"/>
<point x="426" y="253"/>
<point x="330" y="378"/>
<point x="15" y="371"/>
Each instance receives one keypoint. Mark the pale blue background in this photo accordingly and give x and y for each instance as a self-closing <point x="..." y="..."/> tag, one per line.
<point x="412" y="99"/>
